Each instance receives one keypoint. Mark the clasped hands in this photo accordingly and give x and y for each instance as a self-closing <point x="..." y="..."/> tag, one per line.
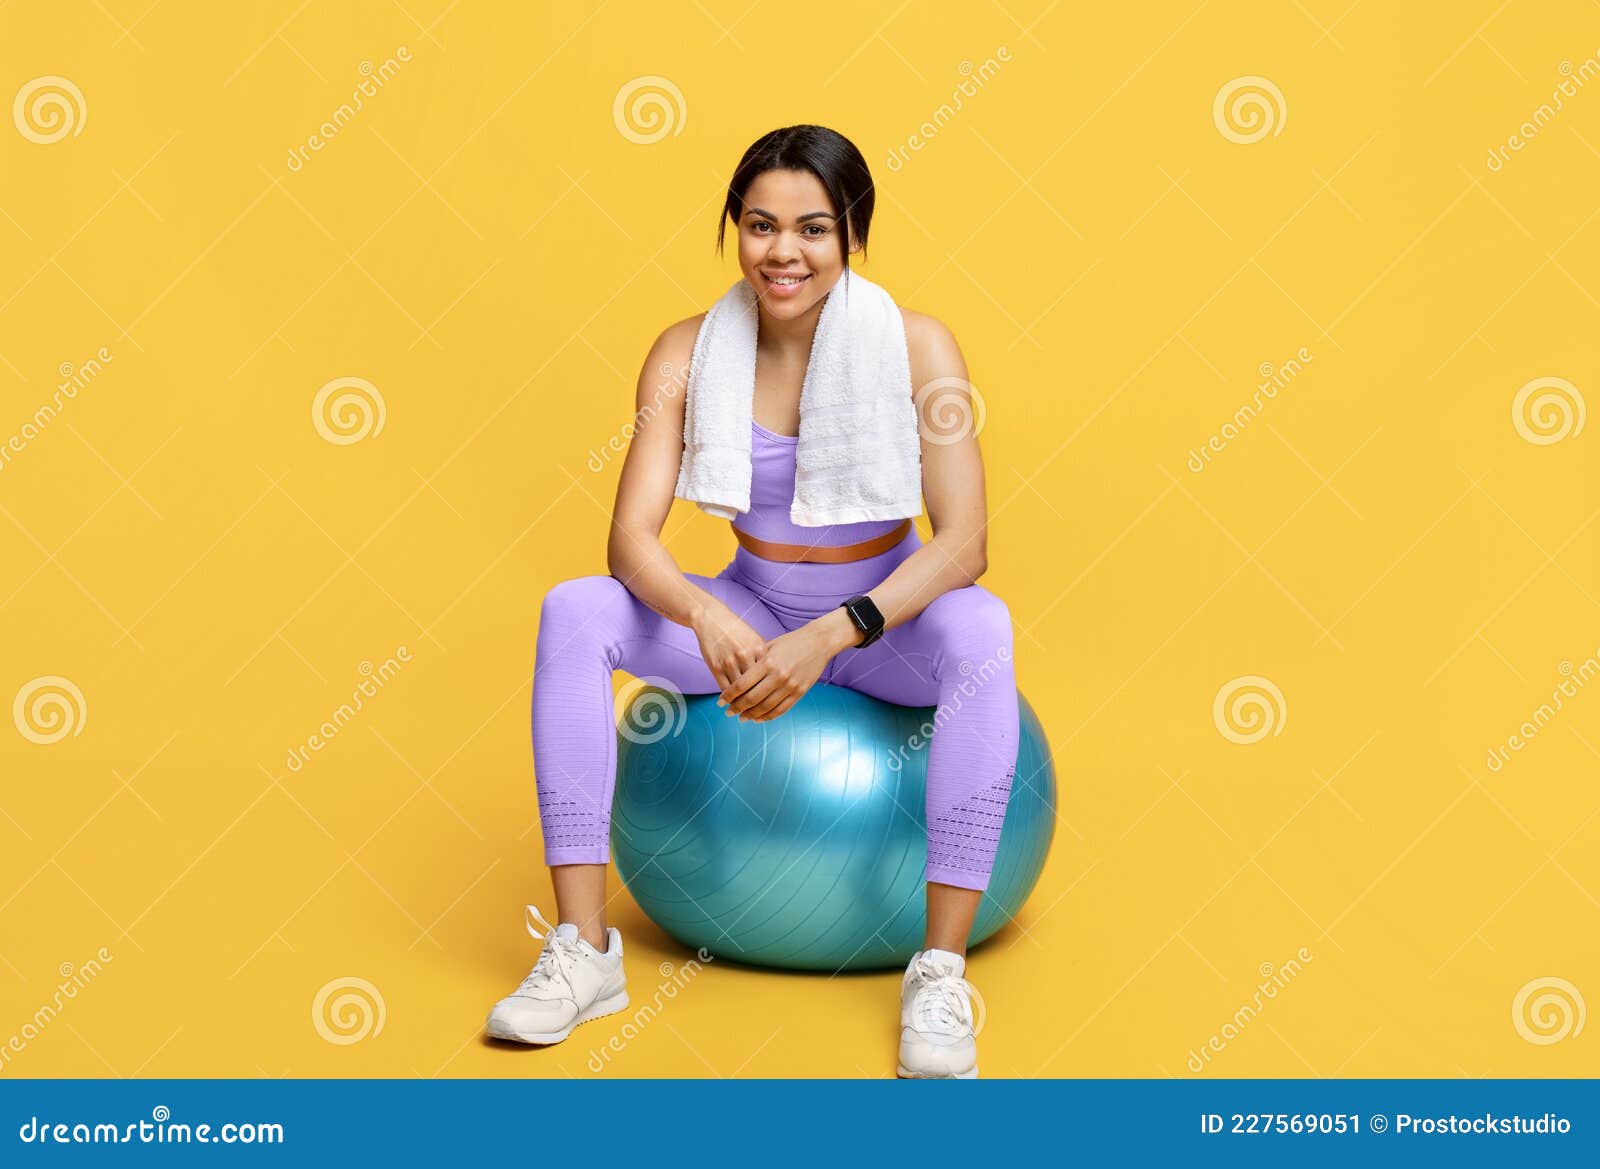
<point x="760" y="679"/>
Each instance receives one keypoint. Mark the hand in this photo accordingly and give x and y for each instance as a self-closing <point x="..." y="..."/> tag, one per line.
<point x="790" y="666"/>
<point x="727" y="642"/>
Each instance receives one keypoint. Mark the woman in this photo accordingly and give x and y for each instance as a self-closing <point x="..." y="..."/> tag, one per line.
<point x="773" y="622"/>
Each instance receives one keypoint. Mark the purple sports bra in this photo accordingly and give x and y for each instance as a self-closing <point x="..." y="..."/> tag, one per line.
<point x="772" y="489"/>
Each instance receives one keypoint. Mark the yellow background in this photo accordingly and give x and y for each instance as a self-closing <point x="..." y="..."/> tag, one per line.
<point x="486" y="247"/>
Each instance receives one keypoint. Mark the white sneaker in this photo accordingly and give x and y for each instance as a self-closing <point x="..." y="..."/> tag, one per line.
<point x="938" y="1038"/>
<point x="570" y="984"/>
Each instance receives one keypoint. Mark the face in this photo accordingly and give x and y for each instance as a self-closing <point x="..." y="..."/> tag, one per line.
<point x="789" y="242"/>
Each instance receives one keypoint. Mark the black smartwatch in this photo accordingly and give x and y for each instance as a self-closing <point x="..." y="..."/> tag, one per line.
<point x="866" y="617"/>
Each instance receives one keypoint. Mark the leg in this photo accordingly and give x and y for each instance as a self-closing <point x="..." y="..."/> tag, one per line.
<point x="955" y="655"/>
<point x="588" y="627"/>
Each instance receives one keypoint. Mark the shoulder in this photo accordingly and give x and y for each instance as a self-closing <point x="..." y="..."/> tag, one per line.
<point x="931" y="347"/>
<point x="667" y="363"/>
<point x="676" y="342"/>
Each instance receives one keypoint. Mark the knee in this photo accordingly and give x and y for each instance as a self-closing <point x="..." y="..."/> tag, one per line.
<point x="579" y="602"/>
<point x="972" y="623"/>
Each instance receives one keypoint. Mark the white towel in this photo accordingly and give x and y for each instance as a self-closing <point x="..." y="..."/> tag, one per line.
<point x="859" y="456"/>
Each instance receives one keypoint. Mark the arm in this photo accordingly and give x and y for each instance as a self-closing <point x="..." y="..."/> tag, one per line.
<point x="955" y="556"/>
<point x="634" y="552"/>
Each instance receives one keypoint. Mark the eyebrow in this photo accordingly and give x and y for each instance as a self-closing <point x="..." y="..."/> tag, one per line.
<point x="801" y="219"/>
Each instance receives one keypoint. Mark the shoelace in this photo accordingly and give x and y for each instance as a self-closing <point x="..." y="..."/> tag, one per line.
<point x="943" y="998"/>
<point x="553" y="967"/>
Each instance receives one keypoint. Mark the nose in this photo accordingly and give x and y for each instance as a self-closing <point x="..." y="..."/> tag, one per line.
<point x="783" y="248"/>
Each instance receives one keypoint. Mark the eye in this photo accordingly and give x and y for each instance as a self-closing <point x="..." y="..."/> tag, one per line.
<point x="821" y="231"/>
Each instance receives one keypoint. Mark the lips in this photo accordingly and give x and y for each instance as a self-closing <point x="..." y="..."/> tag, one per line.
<point x="788" y="287"/>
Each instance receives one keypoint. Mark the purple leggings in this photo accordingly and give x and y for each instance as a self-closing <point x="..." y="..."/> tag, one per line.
<point x="955" y="654"/>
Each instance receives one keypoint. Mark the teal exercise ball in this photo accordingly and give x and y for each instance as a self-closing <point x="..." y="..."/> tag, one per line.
<point x="800" y="842"/>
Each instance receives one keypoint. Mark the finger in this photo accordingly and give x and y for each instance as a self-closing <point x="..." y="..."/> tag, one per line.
<point x="744" y="662"/>
<point x="751" y="659"/>
<point x="772" y="706"/>
<point x="755" y="696"/>
<point x="785" y="694"/>
<point x="743" y="681"/>
<point x="752" y="696"/>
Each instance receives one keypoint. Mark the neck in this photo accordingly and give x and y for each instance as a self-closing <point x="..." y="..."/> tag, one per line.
<point x="787" y="338"/>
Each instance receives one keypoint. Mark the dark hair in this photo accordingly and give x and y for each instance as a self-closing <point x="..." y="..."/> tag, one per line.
<point x="826" y="153"/>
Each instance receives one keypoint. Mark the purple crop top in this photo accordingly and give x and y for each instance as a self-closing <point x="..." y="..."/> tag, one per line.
<point x="772" y="490"/>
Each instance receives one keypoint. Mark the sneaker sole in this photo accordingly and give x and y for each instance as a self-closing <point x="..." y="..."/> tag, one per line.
<point x="595" y="1010"/>
<point x="970" y="1074"/>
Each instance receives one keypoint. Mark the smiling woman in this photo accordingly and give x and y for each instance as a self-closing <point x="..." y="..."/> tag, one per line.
<point x="824" y="170"/>
<point x="788" y="385"/>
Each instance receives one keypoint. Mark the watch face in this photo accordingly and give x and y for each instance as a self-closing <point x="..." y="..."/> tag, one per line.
<point x="865" y="614"/>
